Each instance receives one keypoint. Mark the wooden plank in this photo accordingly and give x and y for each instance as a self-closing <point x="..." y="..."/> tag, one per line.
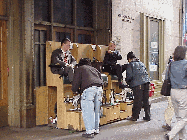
<point x="68" y="91"/>
<point x="100" y="52"/>
<point x="82" y="51"/>
<point x="3" y="7"/>
<point x="52" y="99"/>
<point x="123" y="114"/>
<point x="129" y="109"/>
<point x="42" y="105"/>
<point x="54" y="80"/>
<point x="4" y="116"/>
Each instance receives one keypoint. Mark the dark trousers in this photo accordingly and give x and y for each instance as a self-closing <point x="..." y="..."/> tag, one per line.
<point x="115" y="70"/>
<point x="64" y="71"/>
<point x="141" y="93"/>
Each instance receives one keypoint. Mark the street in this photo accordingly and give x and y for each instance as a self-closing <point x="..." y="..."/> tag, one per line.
<point x="121" y="130"/>
<point x="128" y="130"/>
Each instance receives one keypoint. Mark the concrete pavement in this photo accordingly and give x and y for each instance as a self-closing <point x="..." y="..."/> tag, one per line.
<point x="121" y="130"/>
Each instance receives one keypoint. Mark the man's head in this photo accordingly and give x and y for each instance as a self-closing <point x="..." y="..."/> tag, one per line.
<point x="130" y="56"/>
<point x="112" y="46"/>
<point x="65" y="44"/>
<point x="85" y="61"/>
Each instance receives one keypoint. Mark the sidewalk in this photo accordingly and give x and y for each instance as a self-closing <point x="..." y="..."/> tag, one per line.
<point x="46" y="132"/>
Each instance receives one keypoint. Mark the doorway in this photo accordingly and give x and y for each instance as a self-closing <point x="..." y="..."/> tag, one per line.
<point x="3" y="75"/>
<point x="154" y="50"/>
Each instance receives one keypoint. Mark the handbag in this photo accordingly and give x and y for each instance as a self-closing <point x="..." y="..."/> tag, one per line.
<point x="166" y="86"/>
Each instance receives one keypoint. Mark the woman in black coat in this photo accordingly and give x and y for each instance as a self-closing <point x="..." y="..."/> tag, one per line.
<point x="110" y="63"/>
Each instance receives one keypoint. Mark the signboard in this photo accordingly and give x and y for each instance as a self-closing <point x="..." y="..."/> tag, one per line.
<point x="152" y="67"/>
<point x="154" y="45"/>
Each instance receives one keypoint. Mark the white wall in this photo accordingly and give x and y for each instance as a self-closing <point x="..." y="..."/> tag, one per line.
<point x="129" y="33"/>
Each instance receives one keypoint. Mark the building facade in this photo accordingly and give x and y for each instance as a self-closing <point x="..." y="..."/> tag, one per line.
<point x="150" y="28"/>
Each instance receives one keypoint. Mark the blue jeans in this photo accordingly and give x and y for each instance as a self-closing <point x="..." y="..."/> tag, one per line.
<point x="90" y="104"/>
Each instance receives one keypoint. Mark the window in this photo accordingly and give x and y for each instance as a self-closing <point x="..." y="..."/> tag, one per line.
<point x="63" y="11"/>
<point x="85" y="39"/>
<point x="85" y="13"/>
<point x="58" y="19"/>
<point x="62" y="35"/>
<point x="40" y="37"/>
<point x="41" y="10"/>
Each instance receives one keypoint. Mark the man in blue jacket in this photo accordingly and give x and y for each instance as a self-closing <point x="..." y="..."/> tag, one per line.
<point x="138" y="80"/>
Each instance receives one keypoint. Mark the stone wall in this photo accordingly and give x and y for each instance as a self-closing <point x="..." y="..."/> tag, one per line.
<point x="128" y="34"/>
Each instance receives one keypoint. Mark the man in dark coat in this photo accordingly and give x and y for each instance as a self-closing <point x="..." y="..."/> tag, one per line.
<point x="138" y="80"/>
<point x="62" y="62"/>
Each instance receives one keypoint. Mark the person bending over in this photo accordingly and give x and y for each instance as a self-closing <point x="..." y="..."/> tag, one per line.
<point x="88" y="81"/>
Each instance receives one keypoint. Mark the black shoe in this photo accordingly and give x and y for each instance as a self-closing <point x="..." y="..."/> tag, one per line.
<point x="95" y="133"/>
<point x="122" y="86"/>
<point x="131" y="119"/>
<point x="146" y="119"/>
<point x="88" y="135"/>
<point x="166" y="136"/>
<point x="167" y="127"/>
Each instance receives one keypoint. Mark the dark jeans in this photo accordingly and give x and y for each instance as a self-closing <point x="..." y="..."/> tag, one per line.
<point x="141" y="93"/>
<point x="115" y="70"/>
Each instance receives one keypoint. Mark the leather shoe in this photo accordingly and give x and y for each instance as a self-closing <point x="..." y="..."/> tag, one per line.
<point x="95" y="133"/>
<point x="167" y="127"/>
<point x="88" y="135"/>
<point x="166" y="136"/>
<point x="131" y="119"/>
<point x="146" y="119"/>
<point x="122" y="86"/>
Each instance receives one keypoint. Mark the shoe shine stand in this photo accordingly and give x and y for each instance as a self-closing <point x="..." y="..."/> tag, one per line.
<point x="114" y="106"/>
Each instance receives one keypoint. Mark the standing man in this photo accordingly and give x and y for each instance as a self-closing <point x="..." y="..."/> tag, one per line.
<point x="62" y="62"/>
<point x="89" y="80"/>
<point x="138" y="80"/>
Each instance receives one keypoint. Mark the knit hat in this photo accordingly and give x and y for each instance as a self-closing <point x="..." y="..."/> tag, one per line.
<point x="130" y="55"/>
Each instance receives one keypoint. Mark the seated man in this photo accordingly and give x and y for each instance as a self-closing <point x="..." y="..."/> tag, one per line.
<point x="62" y="62"/>
<point x="110" y="63"/>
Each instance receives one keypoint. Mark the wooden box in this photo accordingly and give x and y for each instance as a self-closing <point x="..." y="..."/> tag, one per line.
<point x="123" y="114"/>
<point x="75" y="120"/>
<point x="46" y="97"/>
<point x="116" y="111"/>
<point x="107" y="110"/>
<point x="129" y="109"/>
<point x="103" y="120"/>
<point x="123" y="105"/>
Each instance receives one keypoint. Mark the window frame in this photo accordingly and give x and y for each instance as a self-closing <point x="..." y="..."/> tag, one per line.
<point x="145" y="42"/>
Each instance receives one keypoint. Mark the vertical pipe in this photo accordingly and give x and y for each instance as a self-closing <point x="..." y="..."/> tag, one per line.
<point x="75" y="21"/>
<point x="51" y="17"/>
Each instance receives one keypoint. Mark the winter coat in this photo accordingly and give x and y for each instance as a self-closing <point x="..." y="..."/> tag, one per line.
<point x="136" y="73"/>
<point x="178" y="75"/>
